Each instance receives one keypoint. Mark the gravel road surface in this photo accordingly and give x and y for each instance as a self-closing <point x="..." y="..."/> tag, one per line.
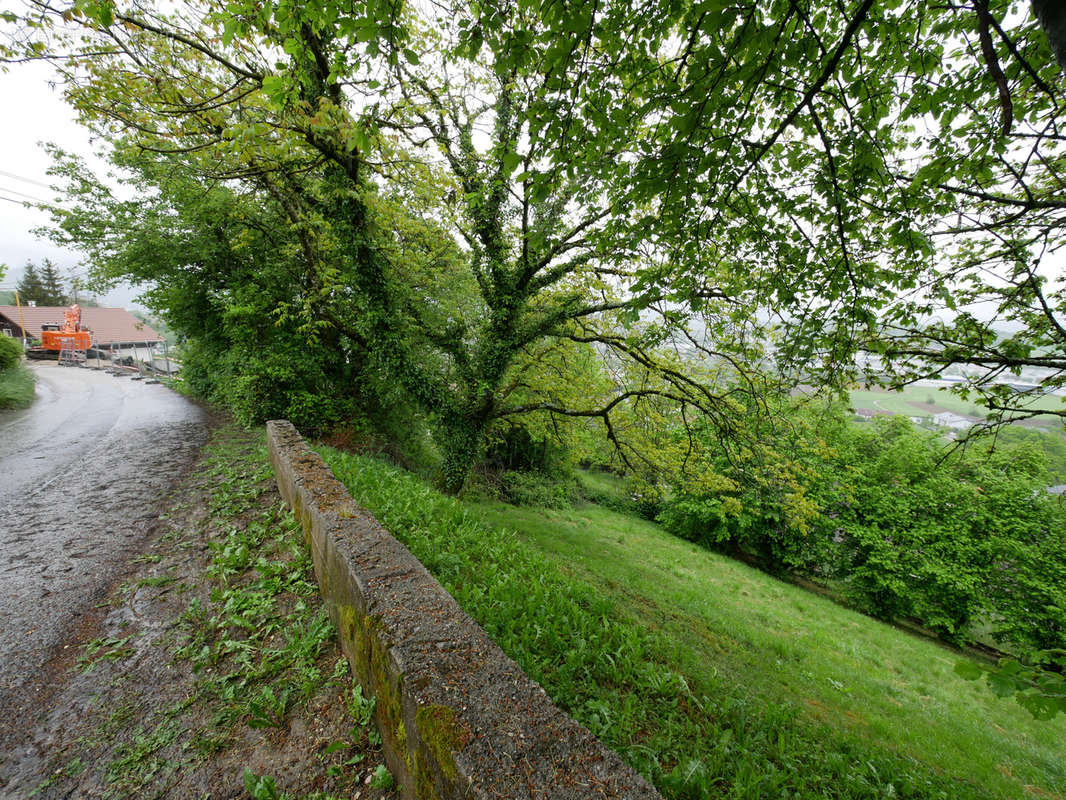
<point x="83" y="474"/>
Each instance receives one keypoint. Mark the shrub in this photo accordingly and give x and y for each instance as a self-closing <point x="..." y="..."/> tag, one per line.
<point x="901" y="529"/>
<point x="537" y="489"/>
<point x="10" y="352"/>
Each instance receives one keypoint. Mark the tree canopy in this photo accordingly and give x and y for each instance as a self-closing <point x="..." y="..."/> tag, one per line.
<point x="43" y="285"/>
<point x="476" y="194"/>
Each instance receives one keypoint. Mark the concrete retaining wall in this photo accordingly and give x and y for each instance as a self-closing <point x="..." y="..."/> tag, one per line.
<point x="458" y="718"/>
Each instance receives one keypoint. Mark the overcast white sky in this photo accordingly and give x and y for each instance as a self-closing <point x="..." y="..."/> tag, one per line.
<point x="34" y="111"/>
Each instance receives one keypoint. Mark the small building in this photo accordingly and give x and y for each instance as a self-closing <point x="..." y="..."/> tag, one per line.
<point x="112" y="328"/>
<point x="949" y="419"/>
<point x="867" y="414"/>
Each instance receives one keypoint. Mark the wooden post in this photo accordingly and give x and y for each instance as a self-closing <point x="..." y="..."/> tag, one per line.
<point x="166" y="356"/>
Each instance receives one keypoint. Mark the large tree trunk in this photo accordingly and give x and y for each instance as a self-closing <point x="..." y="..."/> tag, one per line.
<point x="460" y="441"/>
<point x="1052" y="17"/>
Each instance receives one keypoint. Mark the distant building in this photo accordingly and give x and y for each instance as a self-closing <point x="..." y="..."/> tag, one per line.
<point x="949" y="419"/>
<point x="111" y="327"/>
<point x="1024" y="388"/>
<point x="867" y="414"/>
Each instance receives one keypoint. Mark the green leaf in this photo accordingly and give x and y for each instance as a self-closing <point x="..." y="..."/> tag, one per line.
<point x="968" y="670"/>
<point x="511" y="162"/>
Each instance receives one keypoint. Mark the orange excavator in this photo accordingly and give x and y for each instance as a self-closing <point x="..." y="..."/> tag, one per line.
<point x="70" y="334"/>
<point x="70" y="337"/>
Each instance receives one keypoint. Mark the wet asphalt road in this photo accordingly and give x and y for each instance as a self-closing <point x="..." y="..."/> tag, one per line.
<point x="83" y="474"/>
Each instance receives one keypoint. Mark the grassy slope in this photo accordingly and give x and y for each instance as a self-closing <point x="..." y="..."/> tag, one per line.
<point x="712" y="678"/>
<point x="785" y="643"/>
<point x="914" y="401"/>
<point x="16" y="387"/>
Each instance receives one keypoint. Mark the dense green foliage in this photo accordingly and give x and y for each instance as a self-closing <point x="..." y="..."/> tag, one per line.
<point x="696" y="733"/>
<point x="16" y="381"/>
<point x="548" y="215"/>
<point x="10" y="352"/>
<point x="219" y="268"/>
<point x="901" y="528"/>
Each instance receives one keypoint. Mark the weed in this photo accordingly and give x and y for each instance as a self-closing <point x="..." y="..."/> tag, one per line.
<point x="361" y="708"/>
<point x="138" y="762"/>
<point x="258" y="640"/>
<point x="261" y="787"/>
<point x="267" y="710"/>
<point x="344" y="767"/>
<point x="104" y="649"/>
<point x="381" y="778"/>
<point x="206" y="744"/>
<point x="157" y="581"/>
<point x="71" y="769"/>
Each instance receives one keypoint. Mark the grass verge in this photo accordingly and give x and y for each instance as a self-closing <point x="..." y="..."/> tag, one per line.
<point x="16" y="387"/>
<point x="712" y="679"/>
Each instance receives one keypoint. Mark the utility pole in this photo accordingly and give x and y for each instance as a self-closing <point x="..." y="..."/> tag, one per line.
<point x="22" y="320"/>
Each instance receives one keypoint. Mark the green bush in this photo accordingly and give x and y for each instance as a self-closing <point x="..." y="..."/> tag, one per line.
<point x="16" y="387"/>
<point x="537" y="489"/>
<point x="10" y="352"/>
<point x="902" y="530"/>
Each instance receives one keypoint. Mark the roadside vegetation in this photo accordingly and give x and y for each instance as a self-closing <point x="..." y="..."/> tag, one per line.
<point x="710" y="677"/>
<point x="227" y="678"/>
<point x="16" y="380"/>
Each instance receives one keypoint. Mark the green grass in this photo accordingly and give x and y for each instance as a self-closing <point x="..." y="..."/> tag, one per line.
<point x="605" y="483"/>
<point x="915" y="400"/>
<point x="833" y="665"/>
<point x="711" y="678"/>
<point x="16" y="387"/>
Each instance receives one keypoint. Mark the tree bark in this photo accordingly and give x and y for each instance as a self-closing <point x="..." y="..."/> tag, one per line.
<point x="1052" y="17"/>
<point x="460" y="443"/>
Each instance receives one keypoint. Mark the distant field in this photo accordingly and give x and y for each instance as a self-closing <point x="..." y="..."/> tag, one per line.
<point x="926" y="400"/>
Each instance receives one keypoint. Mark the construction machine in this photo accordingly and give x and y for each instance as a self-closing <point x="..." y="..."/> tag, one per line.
<point x="70" y="340"/>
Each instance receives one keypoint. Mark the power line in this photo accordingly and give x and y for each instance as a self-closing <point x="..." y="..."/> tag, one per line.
<point x="21" y="178"/>
<point x="22" y="194"/>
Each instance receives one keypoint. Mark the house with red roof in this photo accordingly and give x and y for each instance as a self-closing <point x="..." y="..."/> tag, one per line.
<point x="111" y="327"/>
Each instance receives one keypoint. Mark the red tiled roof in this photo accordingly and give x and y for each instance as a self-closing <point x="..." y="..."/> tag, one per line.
<point x="109" y="325"/>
